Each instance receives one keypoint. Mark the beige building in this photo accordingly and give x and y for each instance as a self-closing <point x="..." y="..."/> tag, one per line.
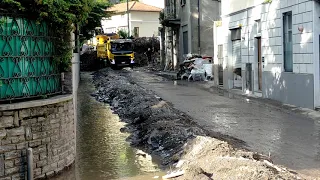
<point x="143" y="19"/>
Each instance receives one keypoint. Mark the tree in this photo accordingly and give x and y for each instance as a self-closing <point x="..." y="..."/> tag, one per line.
<point x="123" y="34"/>
<point x="60" y="15"/>
<point x="94" y="18"/>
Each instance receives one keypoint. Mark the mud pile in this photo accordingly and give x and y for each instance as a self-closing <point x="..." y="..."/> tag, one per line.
<point x="163" y="131"/>
<point x="208" y="158"/>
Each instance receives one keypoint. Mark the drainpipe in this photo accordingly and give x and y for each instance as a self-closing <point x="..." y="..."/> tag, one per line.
<point x="174" y="9"/>
<point x="199" y="47"/>
<point x="30" y="164"/>
<point x="250" y="80"/>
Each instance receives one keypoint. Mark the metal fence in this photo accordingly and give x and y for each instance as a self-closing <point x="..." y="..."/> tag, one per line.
<point x="26" y="60"/>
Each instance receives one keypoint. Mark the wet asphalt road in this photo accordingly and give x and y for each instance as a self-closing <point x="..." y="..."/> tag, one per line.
<point x="293" y="140"/>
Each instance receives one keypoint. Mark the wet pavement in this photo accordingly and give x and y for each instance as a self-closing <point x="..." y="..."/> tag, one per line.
<point x="292" y="140"/>
<point x="102" y="151"/>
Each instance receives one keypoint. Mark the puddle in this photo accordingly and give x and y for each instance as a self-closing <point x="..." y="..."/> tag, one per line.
<point x="102" y="150"/>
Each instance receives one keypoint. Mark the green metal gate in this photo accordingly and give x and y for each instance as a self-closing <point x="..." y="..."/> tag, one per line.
<point x="26" y="60"/>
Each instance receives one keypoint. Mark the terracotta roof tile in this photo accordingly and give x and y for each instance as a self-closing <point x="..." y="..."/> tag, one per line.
<point x="134" y="6"/>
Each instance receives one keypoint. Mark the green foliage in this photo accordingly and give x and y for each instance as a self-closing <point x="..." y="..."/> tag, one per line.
<point x="161" y="16"/>
<point x="267" y="1"/>
<point x="61" y="15"/>
<point x="123" y="34"/>
<point x="2" y="21"/>
<point x="94" y="18"/>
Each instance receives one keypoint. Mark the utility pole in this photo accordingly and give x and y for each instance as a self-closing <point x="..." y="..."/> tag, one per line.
<point x="128" y="18"/>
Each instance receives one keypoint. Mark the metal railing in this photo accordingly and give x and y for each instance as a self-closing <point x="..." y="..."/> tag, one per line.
<point x="27" y="69"/>
<point x="170" y="12"/>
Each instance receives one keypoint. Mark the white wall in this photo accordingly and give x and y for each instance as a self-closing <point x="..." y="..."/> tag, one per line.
<point x="271" y="26"/>
<point x="231" y="6"/>
<point x="146" y="29"/>
<point x="316" y="57"/>
<point x="148" y="23"/>
<point x="157" y="3"/>
<point x="114" y="22"/>
<point x="305" y="44"/>
<point x="145" y="16"/>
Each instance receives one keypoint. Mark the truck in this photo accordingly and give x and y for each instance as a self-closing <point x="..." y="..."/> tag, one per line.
<point x="115" y="52"/>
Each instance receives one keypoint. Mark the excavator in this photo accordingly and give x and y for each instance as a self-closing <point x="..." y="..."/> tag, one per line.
<point x="115" y="52"/>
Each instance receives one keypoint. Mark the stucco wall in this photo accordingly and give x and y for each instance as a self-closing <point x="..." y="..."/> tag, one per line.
<point x="194" y="25"/>
<point x="287" y="88"/>
<point x="146" y="29"/>
<point x="209" y="12"/>
<point x="148" y="23"/>
<point x="47" y="126"/>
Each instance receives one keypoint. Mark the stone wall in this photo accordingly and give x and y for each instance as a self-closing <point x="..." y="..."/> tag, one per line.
<point x="47" y="129"/>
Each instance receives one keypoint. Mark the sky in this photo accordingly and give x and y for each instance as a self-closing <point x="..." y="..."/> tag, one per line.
<point x="157" y="3"/>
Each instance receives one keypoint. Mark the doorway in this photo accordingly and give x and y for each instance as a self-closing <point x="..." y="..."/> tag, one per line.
<point x="259" y="65"/>
<point x="236" y="54"/>
<point x="185" y="42"/>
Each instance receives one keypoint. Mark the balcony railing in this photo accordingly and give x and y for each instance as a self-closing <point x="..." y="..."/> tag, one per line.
<point x="170" y="12"/>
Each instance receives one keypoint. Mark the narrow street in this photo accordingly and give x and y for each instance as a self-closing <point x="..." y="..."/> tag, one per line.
<point x="291" y="139"/>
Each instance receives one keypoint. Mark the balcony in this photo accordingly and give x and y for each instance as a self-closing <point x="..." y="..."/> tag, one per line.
<point x="169" y="17"/>
<point x="170" y="12"/>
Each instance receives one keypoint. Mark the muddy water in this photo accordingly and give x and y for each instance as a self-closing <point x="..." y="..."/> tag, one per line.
<point x="102" y="152"/>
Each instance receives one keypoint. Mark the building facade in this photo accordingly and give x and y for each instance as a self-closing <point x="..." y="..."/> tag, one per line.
<point x="272" y="48"/>
<point x="143" y="19"/>
<point x="188" y="28"/>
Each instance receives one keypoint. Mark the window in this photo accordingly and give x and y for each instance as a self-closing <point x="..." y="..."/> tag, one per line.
<point x="235" y="34"/>
<point x="258" y="25"/>
<point x="136" y="31"/>
<point x="116" y="47"/>
<point x="122" y="15"/>
<point x="287" y="42"/>
<point x="167" y="3"/>
<point x="182" y="2"/>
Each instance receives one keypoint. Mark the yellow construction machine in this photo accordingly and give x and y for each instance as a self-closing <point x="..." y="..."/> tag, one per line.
<point x="116" y="52"/>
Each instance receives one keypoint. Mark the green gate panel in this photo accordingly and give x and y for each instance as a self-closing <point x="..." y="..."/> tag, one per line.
<point x="27" y="69"/>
